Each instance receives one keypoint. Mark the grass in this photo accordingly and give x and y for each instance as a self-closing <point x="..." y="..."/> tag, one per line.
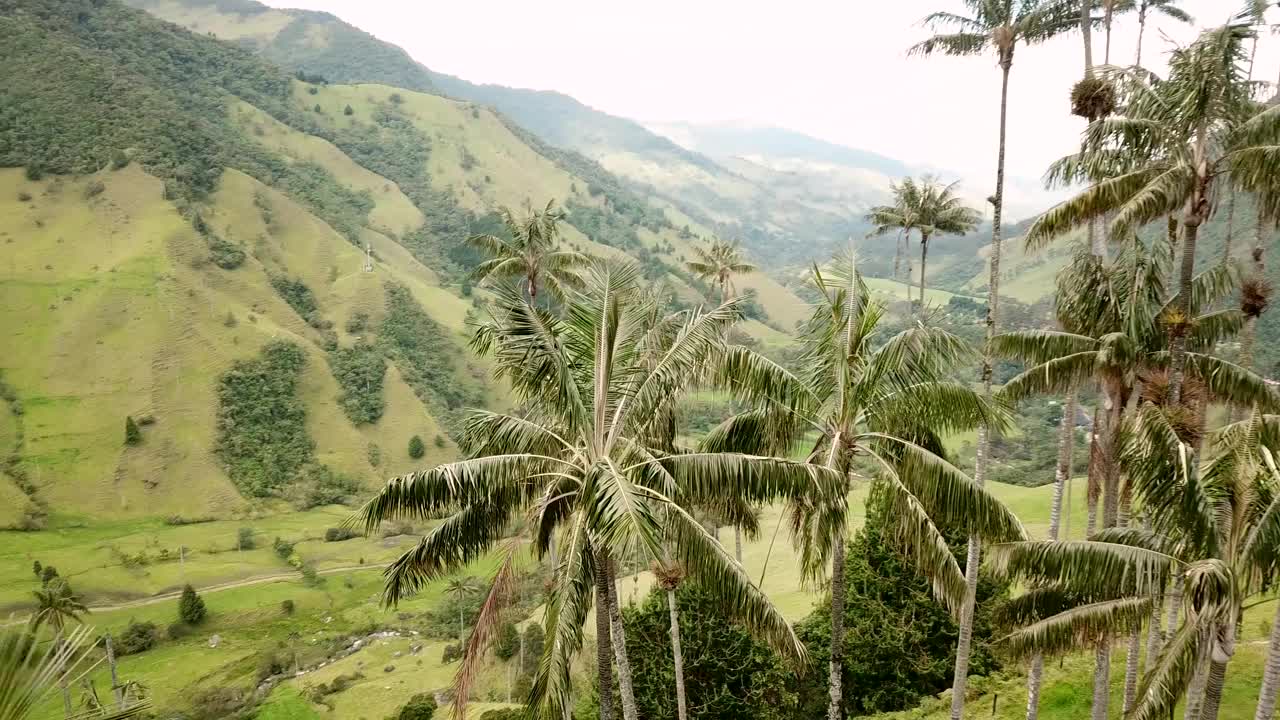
<point x="897" y="290"/>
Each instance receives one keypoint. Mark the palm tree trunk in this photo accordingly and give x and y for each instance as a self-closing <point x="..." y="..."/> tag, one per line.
<point x="1223" y="649"/>
<point x="604" y="645"/>
<point x="1066" y="435"/>
<point x="897" y="258"/>
<point x="625" y="688"/>
<point x="1154" y="637"/>
<point x="737" y="544"/>
<point x="116" y="690"/>
<point x="1195" y="692"/>
<point x="1231" y="224"/>
<point x="1131" y="671"/>
<point x="1094" y="473"/>
<point x="461" y="625"/>
<point x="1266" y="709"/>
<point x="1101" y="680"/>
<point x="1142" y="29"/>
<point x="1086" y="31"/>
<point x="1175" y="603"/>
<point x="1190" y="232"/>
<point x="960" y="680"/>
<point x="835" y="669"/>
<point x="924" y="258"/>
<point x="677" y="656"/>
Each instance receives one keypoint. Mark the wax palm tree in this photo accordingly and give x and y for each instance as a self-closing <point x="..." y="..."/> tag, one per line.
<point x="1219" y="530"/>
<point x="899" y="216"/>
<point x="1146" y="8"/>
<point x="460" y="589"/>
<point x="28" y="672"/>
<point x="997" y="25"/>
<point x="581" y="462"/>
<point x="719" y="263"/>
<point x="1163" y="152"/>
<point x="57" y="605"/>
<point x="862" y="405"/>
<point x="940" y="212"/>
<point x="533" y="255"/>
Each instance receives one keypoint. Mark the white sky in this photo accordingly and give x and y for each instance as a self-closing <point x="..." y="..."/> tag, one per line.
<point x="834" y="70"/>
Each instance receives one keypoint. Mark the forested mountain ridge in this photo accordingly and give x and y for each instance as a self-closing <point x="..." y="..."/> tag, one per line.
<point x="187" y="227"/>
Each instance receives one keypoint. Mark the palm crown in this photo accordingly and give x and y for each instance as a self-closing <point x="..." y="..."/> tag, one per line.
<point x="590" y="461"/>
<point x="532" y="256"/>
<point x="719" y="263"/>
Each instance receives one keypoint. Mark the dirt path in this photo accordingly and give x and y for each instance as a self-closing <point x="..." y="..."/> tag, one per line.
<point x="244" y="582"/>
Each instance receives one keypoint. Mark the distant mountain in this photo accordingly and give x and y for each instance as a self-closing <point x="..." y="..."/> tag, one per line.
<point x="728" y="140"/>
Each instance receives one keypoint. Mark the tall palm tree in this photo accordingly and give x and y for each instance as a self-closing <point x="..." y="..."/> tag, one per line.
<point x="899" y="216"/>
<point x="1219" y="529"/>
<point x="533" y="255"/>
<point x="459" y="589"/>
<point x="1162" y="153"/>
<point x="56" y="605"/>
<point x="1168" y="8"/>
<point x="940" y="212"/>
<point x="28" y="673"/>
<point x="997" y="25"/>
<point x="598" y="384"/>
<point x="865" y="406"/>
<point x="719" y="263"/>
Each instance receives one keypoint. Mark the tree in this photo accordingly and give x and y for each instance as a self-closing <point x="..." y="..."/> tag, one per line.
<point x="900" y="216"/>
<point x="37" y="568"/>
<point x="939" y="212"/>
<point x="874" y="403"/>
<point x="532" y="255"/>
<point x="900" y="641"/>
<point x="599" y="383"/>
<point x="507" y="643"/>
<point x="245" y="539"/>
<point x="420" y="707"/>
<point x="191" y="608"/>
<point x="48" y="574"/>
<point x="993" y="25"/>
<point x="348" y="111"/>
<point x="1161" y="154"/>
<point x="132" y="433"/>
<point x="719" y="262"/>
<point x="730" y="674"/>
<point x="28" y="672"/>
<point x="1164" y="7"/>
<point x="459" y="589"/>
<point x="416" y="448"/>
<point x="56" y="605"/>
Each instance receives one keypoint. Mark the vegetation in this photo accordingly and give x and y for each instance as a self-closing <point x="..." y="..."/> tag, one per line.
<point x="416" y="448"/>
<point x="132" y="433"/>
<point x="532" y="255"/>
<point x="360" y="370"/>
<point x="420" y="707"/>
<point x="191" y="609"/>
<point x="137" y="637"/>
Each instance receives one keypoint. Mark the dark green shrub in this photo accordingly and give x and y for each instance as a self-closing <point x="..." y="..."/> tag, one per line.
<point x="48" y="574"/>
<point x="132" y="433"/>
<point x="119" y="159"/>
<point x="225" y="255"/>
<point x="338" y="534"/>
<point x="508" y="641"/>
<point x="416" y="448"/>
<point x="420" y="707"/>
<point x="357" y="322"/>
<point x="360" y="371"/>
<point x="94" y="189"/>
<point x="36" y="568"/>
<point x="178" y="630"/>
<point x="348" y="110"/>
<point x="287" y="607"/>
<point x="506" y="713"/>
<point x="452" y="652"/>
<point x="439" y="441"/>
<point x="244" y="539"/>
<point x="34" y="172"/>
<point x="396" y="99"/>
<point x="283" y="548"/>
<point x="24" y="196"/>
<point x="137" y="637"/>
<point x="191" y="608"/>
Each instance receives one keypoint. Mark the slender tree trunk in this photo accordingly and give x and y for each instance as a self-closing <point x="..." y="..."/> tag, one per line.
<point x="1154" y="637"/>
<point x="1175" y="603"/>
<point x="1101" y="680"/>
<point x="1106" y="48"/>
<point x="835" y="669"/>
<point x="677" y="655"/>
<point x="960" y="680"/>
<point x="897" y="258"/>
<point x="1190" y="231"/>
<point x="1066" y="435"/>
<point x="924" y="259"/>
<point x="1094" y="473"/>
<point x="1086" y="33"/>
<point x="604" y="644"/>
<point x="1266" y="709"/>
<point x="1131" y="658"/>
<point x="461" y="625"/>
<point x="737" y="544"/>
<point x="625" y="689"/>
<point x="1223" y="649"/>
<point x="1231" y="225"/>
<point x="1142" y="29"/>
<point x="1195" y="692"/>
<point x="116" y="690"/>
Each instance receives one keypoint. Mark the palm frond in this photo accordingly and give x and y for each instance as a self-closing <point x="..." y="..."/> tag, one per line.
<point x="1078" y="628"/>
<point x="1088" y="567"/>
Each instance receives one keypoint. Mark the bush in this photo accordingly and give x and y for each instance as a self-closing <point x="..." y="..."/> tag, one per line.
<point x="283" y="548"/>
<point x="508" y="641"/>
<point x="357" y="322"/>
<point x="132" y="433"/>
<point x="505" y="714"/>
<point x="244" y="539"/>
<point x="360" y="371"/>
<point x="94" y="189"/>
<point x="416" y="447"/>
<point x="34" y="172"/>
<point x="48" y="574"/>
<point x="177" y="630"/>
<point x="191" y="608"/>
<point x="375" y="454"/>
<point x="439" y="441"/>
<point x="533" y="643"/>
<point x="338" y="534"/>
<point x="137" y="637"/>
<point x="395" y="99"/>
<point x="287" y="607"/>
<point x="420" y="707"/>
<point x="270" y="664"/>
<point x="36" y="568"/>
<point x="452" y="652"/>
<point x="348" y="110"/>
<point x="24" y="196"/>
<point x="219" y="703"/>
<point x="310" y="577"/>
<point x="119" y="159"/>
<point x="225" y="255"/>
<point x="229" y="320"/>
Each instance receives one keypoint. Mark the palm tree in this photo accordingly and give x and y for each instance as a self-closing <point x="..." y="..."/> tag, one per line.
<point x="861" y="405"/>
<point x="1218" y="529"/>
<point x="899" y="216"/>
<point x="459" y="589"/>
<point x="1164" y="7"/>
<point x="940" y="212"/>
<point x="598" y="384"/>
<point x="719" y="263"/>
<point x="997" y="25"/>
<point x="532" y="255"/>
<point x="1163" y="152"/>
<point x="56" y="605"/>
<point x="27" y="673"/>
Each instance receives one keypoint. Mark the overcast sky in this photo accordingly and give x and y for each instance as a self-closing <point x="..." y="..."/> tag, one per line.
<point x="835" y="70"/>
